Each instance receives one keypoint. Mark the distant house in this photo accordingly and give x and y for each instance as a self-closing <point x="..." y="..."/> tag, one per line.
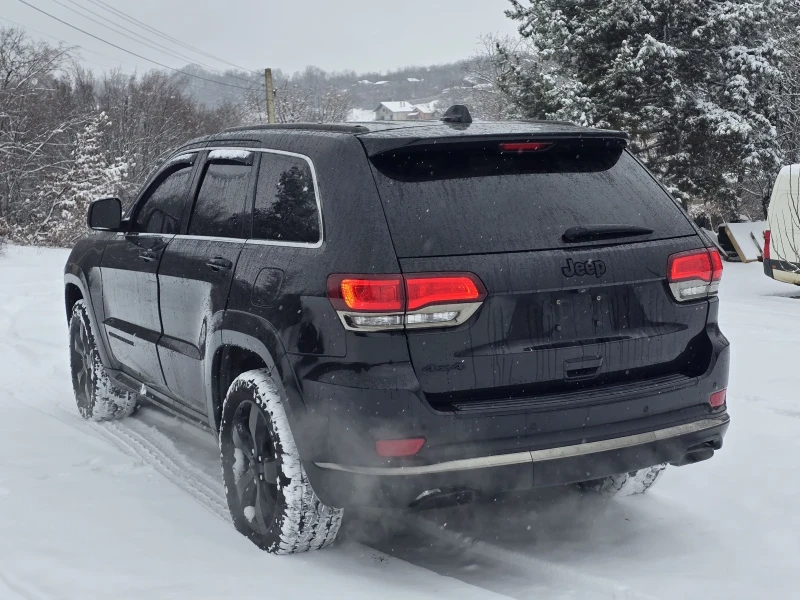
<point x="394" y="111"/>
<point x="423" y="112"/>
<point x="404" y="111"/>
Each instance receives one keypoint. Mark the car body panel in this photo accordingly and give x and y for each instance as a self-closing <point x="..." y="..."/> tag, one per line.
<point x="130" y="303"/>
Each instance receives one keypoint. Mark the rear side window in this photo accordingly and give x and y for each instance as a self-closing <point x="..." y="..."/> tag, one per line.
<point x="465" y="198"/>
<point x="221" y="200"/>
<point x="160" y="211"/>
<point x="286" y="203"/>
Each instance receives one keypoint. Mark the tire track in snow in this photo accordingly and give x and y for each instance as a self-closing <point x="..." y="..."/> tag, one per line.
<point x="156" y="450"/>
<point x="538" y="570"/>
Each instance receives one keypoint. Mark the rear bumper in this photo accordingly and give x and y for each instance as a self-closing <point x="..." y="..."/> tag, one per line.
<point x="346" y="485"/>
<point x="782" y="270"/>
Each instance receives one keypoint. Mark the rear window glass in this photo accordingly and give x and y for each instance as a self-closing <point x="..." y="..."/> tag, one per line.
<point x="455" y="199"/>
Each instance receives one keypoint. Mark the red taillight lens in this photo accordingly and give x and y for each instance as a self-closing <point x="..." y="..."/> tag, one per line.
<point x="767" y="242"/>
<point x="717" y="399"/>
<point x="423" y="291"/>
<point x="690" y="265"/>
<point x="383" y="302"/>
<point x="524" y="146"/>
<point x="716" y="265"/>
<point x="362" y="293"/>
<point x="396" y="448"/>
<point x="694" y="274"/>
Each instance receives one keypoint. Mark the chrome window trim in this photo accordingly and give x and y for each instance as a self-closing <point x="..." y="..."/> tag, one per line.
<point x="534" y="456"/>
<point x="210" y="238"/>
<point x="317" y="197"/>
<point x="145" y="234"/>
<point x="248" y="241"/>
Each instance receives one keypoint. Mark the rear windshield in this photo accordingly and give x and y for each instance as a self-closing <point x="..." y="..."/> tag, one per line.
<point x="452" y="199"/>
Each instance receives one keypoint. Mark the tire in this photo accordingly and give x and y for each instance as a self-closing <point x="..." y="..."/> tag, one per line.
<point x="97" y="397"/>
<point x="626" y="484"/>
<point x="269" y="496"/>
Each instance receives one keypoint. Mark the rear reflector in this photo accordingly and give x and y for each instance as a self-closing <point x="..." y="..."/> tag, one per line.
<point x="397" y="448"/>
<point x="441" y="289"/>
<point x="717" y="399"/>
<point x="767" y="243"/>
<point x="384" y="302"/>
<point x="524" y="146"/>
<point x="694" y="274"/>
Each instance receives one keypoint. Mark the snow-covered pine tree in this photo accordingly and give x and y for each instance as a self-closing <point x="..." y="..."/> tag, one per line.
<point x="91" y="176"/>
<point x="690" y="80"/>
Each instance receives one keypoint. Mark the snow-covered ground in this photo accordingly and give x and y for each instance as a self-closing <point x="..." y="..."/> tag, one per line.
<point x="359" y="115"/>
<point x="135" y="509"/>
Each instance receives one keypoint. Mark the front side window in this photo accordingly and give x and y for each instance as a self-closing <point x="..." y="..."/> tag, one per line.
<point x="160" y="210"/>
<point x="286" y="203"/>
<point x="221" y="201"/>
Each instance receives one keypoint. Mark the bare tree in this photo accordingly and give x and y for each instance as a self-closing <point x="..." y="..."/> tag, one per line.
<point x="292" y="103"/>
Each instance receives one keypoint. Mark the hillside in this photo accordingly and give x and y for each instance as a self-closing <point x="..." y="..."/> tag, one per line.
<point x="366" y="90"/>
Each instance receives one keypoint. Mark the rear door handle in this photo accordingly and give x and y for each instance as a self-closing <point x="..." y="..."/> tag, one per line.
<point x="220" y="264"/>
<point x="148" y="255"/>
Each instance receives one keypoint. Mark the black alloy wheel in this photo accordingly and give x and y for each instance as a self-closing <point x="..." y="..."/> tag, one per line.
<point x="82" y="363"/>
<point x="255" y="466"/>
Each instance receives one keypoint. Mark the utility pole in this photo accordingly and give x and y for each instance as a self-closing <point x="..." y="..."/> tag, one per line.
<point x="270" y="95"/>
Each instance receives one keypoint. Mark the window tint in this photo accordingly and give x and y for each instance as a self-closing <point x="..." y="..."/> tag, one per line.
<point x="474" y="198"/>
<point x="163" y="205"/>
<point x="286" y="205"/>
<point x="221" y="200"/>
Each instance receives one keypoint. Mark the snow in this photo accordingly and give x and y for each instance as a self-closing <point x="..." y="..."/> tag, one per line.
<point x="427" y="107"/>
<point x="744" y="236"/>
<point x="229" y="154"/>
<point x="400" y="106"/>
<point x="360" y="115"/>
<point x="136" y="509"/>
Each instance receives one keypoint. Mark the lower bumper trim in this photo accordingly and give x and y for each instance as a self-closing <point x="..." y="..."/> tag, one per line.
<point x="534" y="456"/>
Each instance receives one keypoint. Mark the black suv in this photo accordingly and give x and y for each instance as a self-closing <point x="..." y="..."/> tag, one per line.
<point x="405" y="313"/>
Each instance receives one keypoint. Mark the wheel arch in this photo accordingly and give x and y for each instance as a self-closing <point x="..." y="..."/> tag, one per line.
<point x="75" y="289"/>
<point x="235" y="352"/>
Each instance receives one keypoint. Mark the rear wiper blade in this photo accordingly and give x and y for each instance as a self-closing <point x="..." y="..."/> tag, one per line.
<point x="601" y="232"/>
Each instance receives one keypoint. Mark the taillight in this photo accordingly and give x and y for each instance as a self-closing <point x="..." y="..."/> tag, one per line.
<point x="767" y="242"/>
<point x="380" y="302"/>
<point x="372" y="294"/>
<point x="694" y="274"/>
<point x="425" y="290"/>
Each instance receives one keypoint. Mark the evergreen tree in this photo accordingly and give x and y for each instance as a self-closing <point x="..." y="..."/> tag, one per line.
<point x="90" y="176"/>
<point x="691" y="80"/>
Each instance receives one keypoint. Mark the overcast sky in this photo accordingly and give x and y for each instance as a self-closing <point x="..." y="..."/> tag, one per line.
<point x="362" y="35"/>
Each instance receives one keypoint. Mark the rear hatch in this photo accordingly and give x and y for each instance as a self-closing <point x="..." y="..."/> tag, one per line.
<point x="567" y="309"/>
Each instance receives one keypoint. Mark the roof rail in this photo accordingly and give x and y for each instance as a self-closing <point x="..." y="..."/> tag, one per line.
<point x="553" y="121"/>
<point x="330" y="127"/>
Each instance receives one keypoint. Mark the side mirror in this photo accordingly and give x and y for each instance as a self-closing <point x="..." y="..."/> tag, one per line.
<point x="105" y="214"/>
